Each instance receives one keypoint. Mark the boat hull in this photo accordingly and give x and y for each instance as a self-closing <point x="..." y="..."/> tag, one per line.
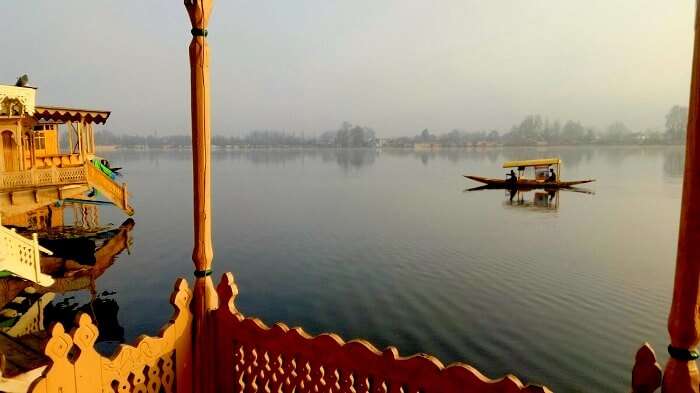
<point x="526" y="183"/>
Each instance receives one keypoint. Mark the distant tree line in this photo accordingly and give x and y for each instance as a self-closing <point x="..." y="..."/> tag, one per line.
<point x="531" y="131"/>
<point x="348" y="135"/>
<point x="536" y="130"/>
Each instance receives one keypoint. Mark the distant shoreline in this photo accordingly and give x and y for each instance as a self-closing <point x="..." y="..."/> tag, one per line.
<point x="111" y="148"/>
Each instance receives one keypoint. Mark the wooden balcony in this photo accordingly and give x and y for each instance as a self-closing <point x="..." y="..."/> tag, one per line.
<point x="51" y="180"/>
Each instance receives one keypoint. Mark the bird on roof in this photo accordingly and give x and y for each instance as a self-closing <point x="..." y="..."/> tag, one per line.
<point x="22" y="81"/>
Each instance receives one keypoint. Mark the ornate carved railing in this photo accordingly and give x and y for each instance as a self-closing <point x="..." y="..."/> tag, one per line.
<point x="21" y="256"/>
<point x="60" y="176"/>
<point x="253" y="357"/>
<point x="42" y="177"/>
<point x="153" y="364"/>
<point x="249" y="357"/>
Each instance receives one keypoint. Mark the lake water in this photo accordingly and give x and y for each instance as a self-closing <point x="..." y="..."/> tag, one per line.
<point x="388" y="246"/>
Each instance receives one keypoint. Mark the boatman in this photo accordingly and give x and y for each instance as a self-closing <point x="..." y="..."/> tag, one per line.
<point x="552" y="176"/>
<point x="513" y="179"/>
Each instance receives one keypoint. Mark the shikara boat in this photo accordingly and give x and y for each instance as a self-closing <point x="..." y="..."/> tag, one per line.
<point x="545" y="176"/>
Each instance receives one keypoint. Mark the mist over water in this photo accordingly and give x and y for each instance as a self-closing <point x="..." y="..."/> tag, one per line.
<point x="388" y="246"/>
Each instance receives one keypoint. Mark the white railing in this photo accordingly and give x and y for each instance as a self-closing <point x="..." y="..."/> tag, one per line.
<point x="21" y="256"/>
<point x="42" y="177"/>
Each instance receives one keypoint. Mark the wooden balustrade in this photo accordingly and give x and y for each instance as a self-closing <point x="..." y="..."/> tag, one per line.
<point x="42" y="177"/>
<point x="153" y="364"/>
<point x="57" y="176"/>
<point x="250" y="357"/>
<point x="21" y="256"/>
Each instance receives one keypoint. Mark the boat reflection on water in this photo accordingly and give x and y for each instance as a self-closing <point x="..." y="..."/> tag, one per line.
<point x="546" y="200"/>
<point x="27" y="310"/>
<point x="533" y="199"/>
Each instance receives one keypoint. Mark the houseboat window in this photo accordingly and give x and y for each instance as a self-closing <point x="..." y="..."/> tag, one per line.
<point x="39" y="141"/>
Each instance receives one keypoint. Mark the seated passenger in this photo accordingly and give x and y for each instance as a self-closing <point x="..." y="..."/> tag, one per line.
<point x="552" y="176"/>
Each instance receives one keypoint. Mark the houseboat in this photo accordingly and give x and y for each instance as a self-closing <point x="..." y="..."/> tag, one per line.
<point x="48" y="154"/>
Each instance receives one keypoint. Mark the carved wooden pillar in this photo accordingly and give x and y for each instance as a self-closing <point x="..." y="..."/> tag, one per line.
<point x="681" y="374"/>
<point x="204" y="294"/>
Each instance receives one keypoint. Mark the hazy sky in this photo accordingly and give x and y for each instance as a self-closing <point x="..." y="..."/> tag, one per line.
<point x="395" y="65"/>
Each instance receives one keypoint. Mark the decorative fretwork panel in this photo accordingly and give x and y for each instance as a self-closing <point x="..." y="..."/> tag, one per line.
<point x="153" y="365"/>
<point x="253" y="357"/>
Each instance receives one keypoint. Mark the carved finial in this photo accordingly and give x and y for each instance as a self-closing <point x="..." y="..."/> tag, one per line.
<point x="646" y="374"/>
<point x="227" y="291"/>
<point x="85" y="334"/>
<point x="181" y="296"/>
<point x="59" y="344"/>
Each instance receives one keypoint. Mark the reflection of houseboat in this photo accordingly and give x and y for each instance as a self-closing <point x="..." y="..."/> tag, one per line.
<point x="27" y="309"/>
<point x="37" y="243"/>
<point x="34" y="169"/>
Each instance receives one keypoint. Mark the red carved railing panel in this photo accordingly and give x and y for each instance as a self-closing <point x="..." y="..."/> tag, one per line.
<point x="253" y="357"/>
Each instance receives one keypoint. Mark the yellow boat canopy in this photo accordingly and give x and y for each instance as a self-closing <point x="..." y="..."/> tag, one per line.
<point x="529" y="163"/>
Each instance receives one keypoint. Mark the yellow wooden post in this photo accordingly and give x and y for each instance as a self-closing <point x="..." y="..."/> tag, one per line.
<point x="80" y="142"/>
<point x="70" y="139"/>
<point x="681" y="374"/>
<point x="32" y="149"/>
<point x="204" y="294"/>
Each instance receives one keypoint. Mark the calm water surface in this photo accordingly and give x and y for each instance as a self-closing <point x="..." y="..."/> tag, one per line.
<point x="387" y="245"/>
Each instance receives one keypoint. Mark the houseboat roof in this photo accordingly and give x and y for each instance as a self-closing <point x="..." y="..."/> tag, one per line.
<point x="63" y="114"/>
<point x="527" y="163"/>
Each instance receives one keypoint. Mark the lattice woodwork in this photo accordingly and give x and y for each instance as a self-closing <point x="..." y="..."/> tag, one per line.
<point x="253" y="357"/>
<point x="153" y="364"/>
<point x="42" y="177"/>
